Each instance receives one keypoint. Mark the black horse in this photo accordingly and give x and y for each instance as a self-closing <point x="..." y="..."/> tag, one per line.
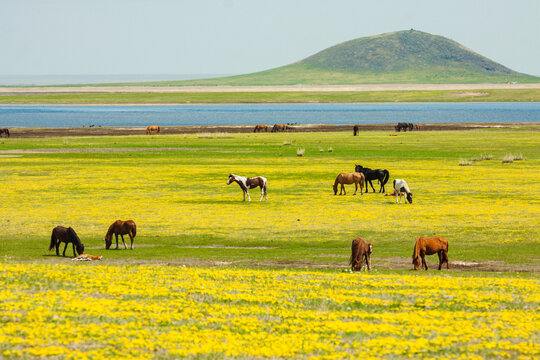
<point x="4" y="132"/>
<point x="356" y="130"/>
<point x="66" y="235"/>
<point x="377" y="174"/>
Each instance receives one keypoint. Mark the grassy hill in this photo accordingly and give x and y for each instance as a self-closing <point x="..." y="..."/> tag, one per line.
<point x="400" y="57"/>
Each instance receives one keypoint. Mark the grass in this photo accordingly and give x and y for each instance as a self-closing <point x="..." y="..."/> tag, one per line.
<point x="185" y="212"/>
<point x="488" y="95"/>
<point x="213" y="277"/>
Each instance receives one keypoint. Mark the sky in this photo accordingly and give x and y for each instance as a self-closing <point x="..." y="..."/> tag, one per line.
<point x="57" y="37"/>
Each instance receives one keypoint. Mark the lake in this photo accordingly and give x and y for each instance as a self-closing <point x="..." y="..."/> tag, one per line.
<point x="339" y="114"/>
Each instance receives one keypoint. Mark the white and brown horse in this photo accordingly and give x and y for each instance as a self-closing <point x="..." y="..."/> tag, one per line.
<point x="249" y="183"/>
<point x="401" y="187"/>
<point x="151" y="128"/>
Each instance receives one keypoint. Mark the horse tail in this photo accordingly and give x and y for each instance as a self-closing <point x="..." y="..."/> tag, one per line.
<point x="354" y="251"/>
<point x="416" y="251"/>
<point x="53" y="240"/>
<point x="386" y="177"/>
<point x="134" y="230"/>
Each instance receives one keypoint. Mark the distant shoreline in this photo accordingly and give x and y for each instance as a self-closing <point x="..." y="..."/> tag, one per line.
<point x="272" y="88"/>
<point x="41" y="132"/>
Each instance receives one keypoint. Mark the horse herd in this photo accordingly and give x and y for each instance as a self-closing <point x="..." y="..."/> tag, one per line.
<point x="65" y="235"/>
<point x="361" y="250"/>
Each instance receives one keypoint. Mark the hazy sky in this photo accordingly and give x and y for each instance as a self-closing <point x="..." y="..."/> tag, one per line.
<point x="242" y="36"/>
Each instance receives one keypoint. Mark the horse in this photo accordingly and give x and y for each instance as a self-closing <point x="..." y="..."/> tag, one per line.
<point x="429" y="246"/>
<point x="382" y="175"/>
<point x="4" y="131"/>
<point x="360" y="250"/>
<point x="152" y="128"/>
<point x="121" y="228"/>
<point x="356" y="130"/>
<point x="246" y="183"/>
<point x="259" y="128"/>
<point x="349" y="178"/>
<point x="67" y="235"/>
<point x="404" y="126"/>
<point x="400" y="187"/>
<point x="279" y="128"/>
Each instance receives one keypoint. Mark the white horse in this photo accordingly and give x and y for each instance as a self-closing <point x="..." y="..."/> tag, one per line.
<point x="400" y="187"/>
<point x="249" y="183"/>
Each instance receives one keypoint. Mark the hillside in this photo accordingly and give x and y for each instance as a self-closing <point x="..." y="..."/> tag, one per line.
<point x="400" y="57"/>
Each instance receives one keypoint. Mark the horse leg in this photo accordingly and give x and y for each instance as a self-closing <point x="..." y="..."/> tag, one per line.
<point x="74" y="254"/>
<point x="64" y="253"/>
<point x="249" y="198"/>
<point x="131" y="237"/>
<point x="424" y="264"/>
<point x="368" y="262"/>
<point x="372" y="188"/>
<point x="355" y="188"/>
<point x="57" y="245"/>
<point x="116" y="236"/>
<point x="122" y="236"/>
<point x="440" y="253"/>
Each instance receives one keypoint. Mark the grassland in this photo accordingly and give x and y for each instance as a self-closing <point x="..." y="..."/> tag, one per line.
<point x="487" y="95"/>
<point x="213" y="277"/>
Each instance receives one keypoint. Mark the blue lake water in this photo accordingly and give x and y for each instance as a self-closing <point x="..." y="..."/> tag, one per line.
<point x="340" y="114"/>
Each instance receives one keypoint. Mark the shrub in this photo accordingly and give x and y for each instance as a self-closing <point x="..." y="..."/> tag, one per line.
<point x="508" y="158"/>
<point x="464" y="162"/>
<point x="300" y="152"/>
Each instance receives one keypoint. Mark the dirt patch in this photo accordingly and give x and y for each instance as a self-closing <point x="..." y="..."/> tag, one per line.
<point x="470" y="93"/>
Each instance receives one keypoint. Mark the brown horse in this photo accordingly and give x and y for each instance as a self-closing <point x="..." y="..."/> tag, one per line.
<point x="65" y="235"/>
<point x="360" y="250"/>
<point x="280" y="128"/>
<point x="152" y="128"/>
<point x="349" y="178"/>
<point x="121" y="228"/>
<point x="429" y="246"/>
<point x="4" y="131"/>
<point x="260" y="128"/>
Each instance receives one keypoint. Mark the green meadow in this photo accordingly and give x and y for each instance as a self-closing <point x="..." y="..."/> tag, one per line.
<point x="487" y="95"/>
<point x="174" y="188"/>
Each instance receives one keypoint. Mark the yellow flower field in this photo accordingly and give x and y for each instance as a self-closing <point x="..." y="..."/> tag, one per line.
<point x="141" y="312"/>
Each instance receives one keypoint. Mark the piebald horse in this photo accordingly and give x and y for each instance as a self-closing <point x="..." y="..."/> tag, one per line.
<point x="249" y="183"/>
<point x="400" y="187"/>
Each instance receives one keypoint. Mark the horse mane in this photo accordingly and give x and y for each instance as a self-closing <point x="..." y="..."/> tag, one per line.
<point x="74" y="237"/>
<point x="110" y="231"/>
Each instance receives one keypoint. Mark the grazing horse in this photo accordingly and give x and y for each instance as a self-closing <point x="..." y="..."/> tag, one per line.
<point x="249" y="183"/>
<point x="356" y="130"/>
<point x="152" y="128"/>
<point x="360" y="250"/>
<point x="404" y="126"/>
<point x="400" y="187"/>
<point x="5" y="132"/>
<point x="121" y="228"/>
<point x="66" y="235"/>
<point x="259" y="128"/>
<point x="382" y="175"/>
<point x="429" y="246"/>
<point x="279" y="128"/>
<point x="349" y="178"/>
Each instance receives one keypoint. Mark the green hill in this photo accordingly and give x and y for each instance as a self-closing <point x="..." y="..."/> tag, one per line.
<point x="399" y="57"/>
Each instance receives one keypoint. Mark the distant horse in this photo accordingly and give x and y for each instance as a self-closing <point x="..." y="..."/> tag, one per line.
<point x="401" y="187"/>
<point x="429" y="246"/>
<point x="404" y="126"/>
<point x="246" y="183"/>
<point x="65" y="235"/>
<point x="382" y="175"/>
<point x="121" y="228"/>
<point x="356" y="130"/>
<point x="4" y="132"/>
<point x="355" y="178"/>
<point x="360" y="250"/>
<point x="279" y="128"/>
<point x="260" y="128"/>
<point x="152" y="128"/>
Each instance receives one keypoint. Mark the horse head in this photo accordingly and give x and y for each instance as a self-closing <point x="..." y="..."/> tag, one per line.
<point x="108" y="242"/>
<point x="358" y="168"/>
<point x="416" y="262"/>
<point x="80" y="248"/>
<point x="409" y="197"/>
<point x="231" y="179"/>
